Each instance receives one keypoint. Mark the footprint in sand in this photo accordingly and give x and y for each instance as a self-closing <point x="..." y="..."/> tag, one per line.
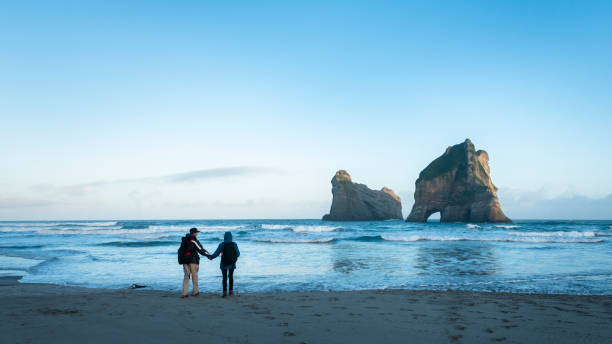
<point x="501" y="339"/>
<point x="488" y="330"/>
<point x="459" y="327"/>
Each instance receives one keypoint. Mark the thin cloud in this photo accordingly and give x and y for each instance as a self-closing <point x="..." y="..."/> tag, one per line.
<point x="183" y="177"/>
<point x="12" y="201"/>
<point x="212" y="173"/>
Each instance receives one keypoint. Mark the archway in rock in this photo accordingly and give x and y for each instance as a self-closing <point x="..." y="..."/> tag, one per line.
<point x="434" y="216"/>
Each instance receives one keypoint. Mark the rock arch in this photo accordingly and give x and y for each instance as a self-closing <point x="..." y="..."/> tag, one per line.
<point x="458" y="185"/>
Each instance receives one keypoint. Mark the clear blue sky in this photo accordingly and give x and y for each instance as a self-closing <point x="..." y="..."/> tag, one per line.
<point x="103" y="103"/>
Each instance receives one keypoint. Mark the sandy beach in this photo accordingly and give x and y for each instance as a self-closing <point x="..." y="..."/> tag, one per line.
<point x="35" y="313"/>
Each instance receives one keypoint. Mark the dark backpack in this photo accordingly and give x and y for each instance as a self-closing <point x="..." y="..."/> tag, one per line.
<point x="184" y="253"/>
<point x="228" y="256"/>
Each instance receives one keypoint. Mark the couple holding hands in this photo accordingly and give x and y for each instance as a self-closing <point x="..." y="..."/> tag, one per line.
<point x="189" y="258"/>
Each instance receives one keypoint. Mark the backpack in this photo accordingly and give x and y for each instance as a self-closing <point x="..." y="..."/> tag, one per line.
<point x="184" y="253"/>
<point x="229" y="254"/>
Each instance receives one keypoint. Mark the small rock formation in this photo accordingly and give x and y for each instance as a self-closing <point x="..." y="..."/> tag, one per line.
<point x="458" y="185"/>
<point x="356" y="202"/>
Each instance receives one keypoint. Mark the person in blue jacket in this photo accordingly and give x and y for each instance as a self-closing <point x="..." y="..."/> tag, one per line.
<point x="229" y="255"/>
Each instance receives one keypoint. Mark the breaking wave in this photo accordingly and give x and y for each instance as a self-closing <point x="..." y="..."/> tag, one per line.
<point x="315" y="229"/>
<point x="507" y="226"/>
<point x="266" y="226"/>
<point x="296" y="241"/>
<point x="137" y="243"/>
<point x="301" y="228"/>
<point x="572" y="234"/>
<point x="414" y="238"/>
<point x="87" y="224"/>
<point x="472" y="226"/>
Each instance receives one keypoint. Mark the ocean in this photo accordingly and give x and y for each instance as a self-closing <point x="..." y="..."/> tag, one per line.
<point x="531" y="256"/>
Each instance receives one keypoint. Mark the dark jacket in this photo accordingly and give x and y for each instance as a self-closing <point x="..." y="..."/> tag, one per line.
<point x="194" y="248"/>
<point x="227" y="240"/>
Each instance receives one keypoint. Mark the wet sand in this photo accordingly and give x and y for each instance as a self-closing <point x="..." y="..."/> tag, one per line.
<point x="37" y="313"/>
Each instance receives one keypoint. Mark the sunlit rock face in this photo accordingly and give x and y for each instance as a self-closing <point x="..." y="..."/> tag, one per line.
<point x="356" y="202"/>
<point x="458" y="185"/>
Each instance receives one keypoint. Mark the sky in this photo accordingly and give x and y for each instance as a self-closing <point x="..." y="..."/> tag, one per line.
<point x="246" y="109"/>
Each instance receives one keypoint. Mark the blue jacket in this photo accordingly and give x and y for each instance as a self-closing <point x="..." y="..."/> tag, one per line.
<point x="227" y="240"/>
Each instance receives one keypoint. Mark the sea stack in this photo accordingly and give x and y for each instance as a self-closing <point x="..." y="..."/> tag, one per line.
<point x="458" y="185"/>
<point x="356" y="202"/>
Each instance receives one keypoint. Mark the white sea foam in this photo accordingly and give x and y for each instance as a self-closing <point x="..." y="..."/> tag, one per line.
<point x="18" y="262"/>
<point x="413" y="238"/>
<point x="16" y="230"/>
<point x="227" y="228"/>
<point x="507" y="226"/>
<point x="58" y="230"/>
<point x="315" y="228"/>
<point x="81" y="231"/>
<point x="206" y="229"/>
<point x="60" y="224"/>
<point x="267" y="226"/>
<point x="301" y="228"/>
<point x="166" y="228"/>
<point x="93" y="224"/>
<point x="32" y="224"/>
<point x="296" y="241"/>
<point x="472" y="226"/>
<point x="572" y="234"/>
<point x="154" y="237"/>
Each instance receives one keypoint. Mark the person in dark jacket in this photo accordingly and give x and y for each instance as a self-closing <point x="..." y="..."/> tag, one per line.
<point x="192" y="265"/>
<point x="229" y="254"/>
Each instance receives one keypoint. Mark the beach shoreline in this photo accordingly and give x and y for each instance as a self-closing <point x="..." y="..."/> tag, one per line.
<point x="61" y="314"/>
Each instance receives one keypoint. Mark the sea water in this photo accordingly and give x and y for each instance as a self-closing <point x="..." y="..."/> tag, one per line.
<point x="573" y="257"/>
